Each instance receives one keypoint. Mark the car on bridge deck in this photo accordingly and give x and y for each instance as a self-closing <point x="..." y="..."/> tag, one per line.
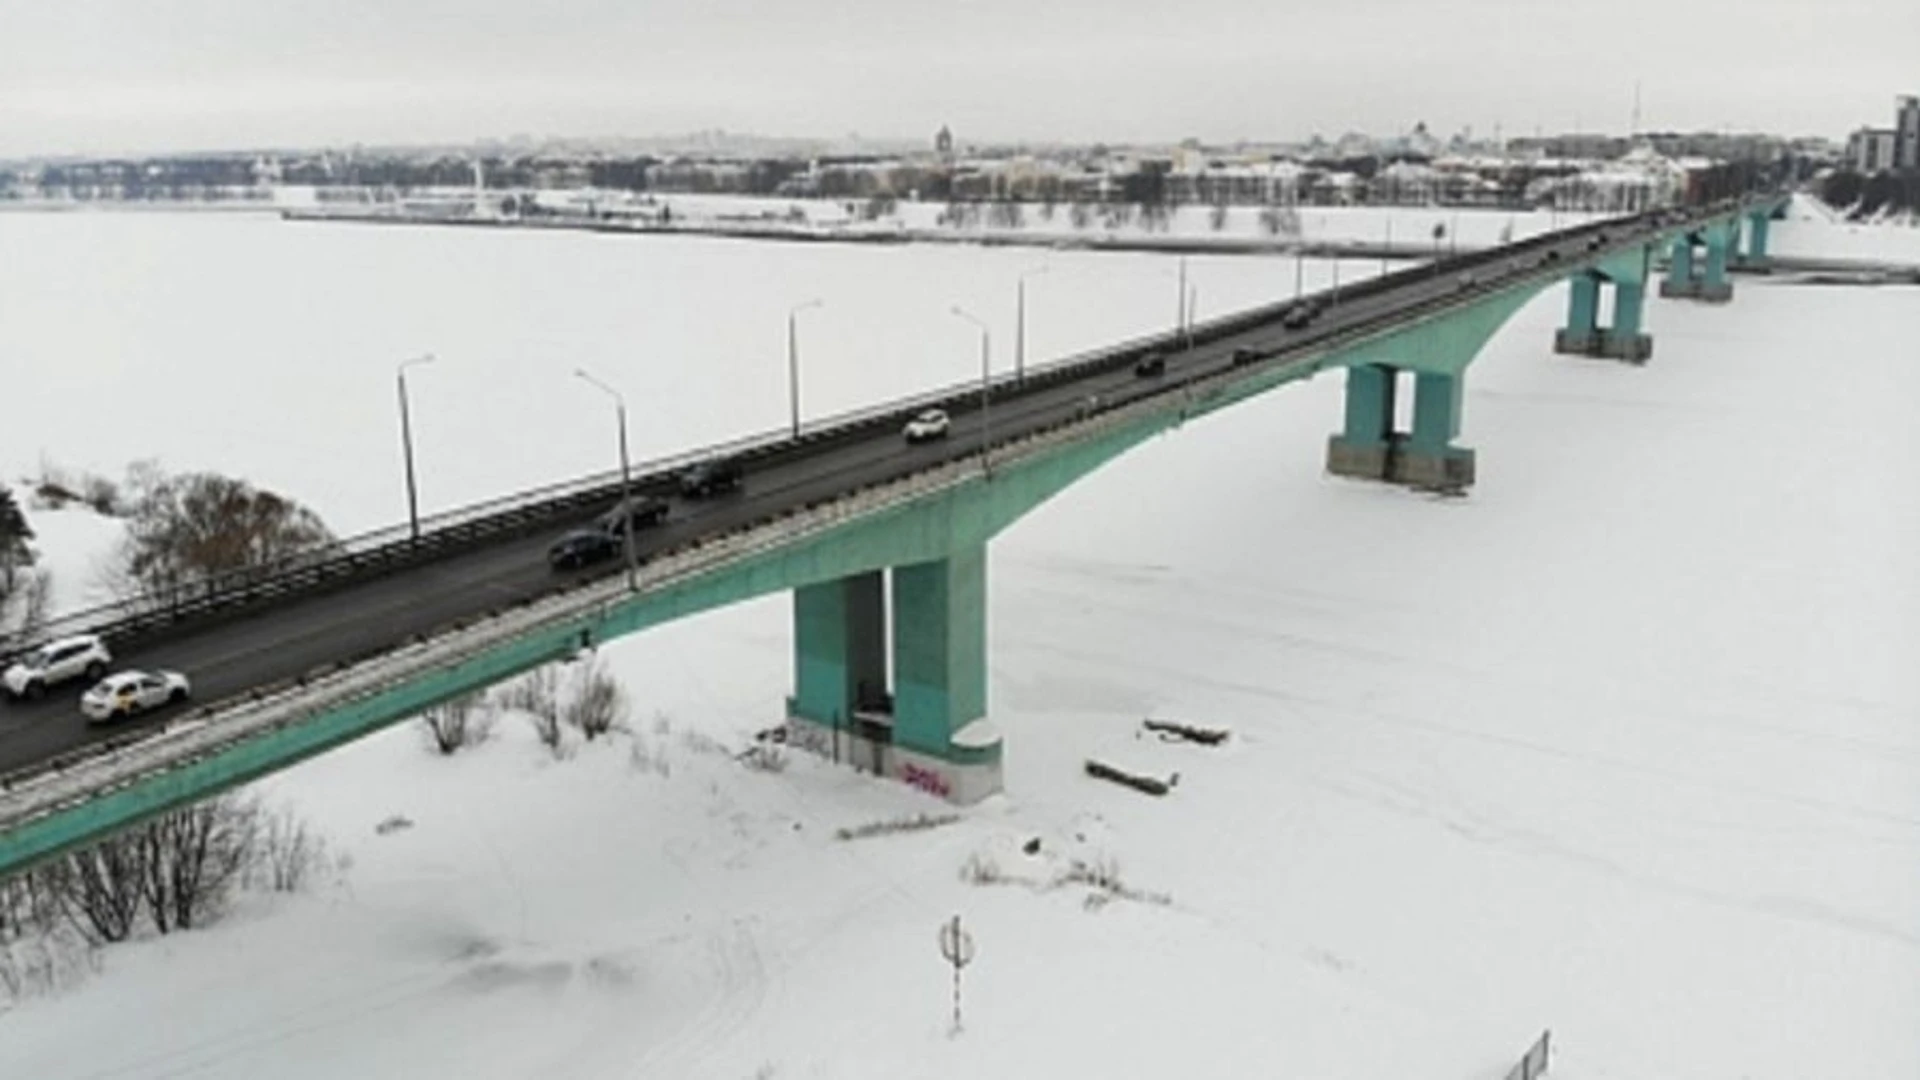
<point x="641" y="511"/>
<point x="1150" y="365"/>
<point x="582" y="547"/>
<point x="124" y="693"/>
<point x="58" y="661"/>
<point x="1245" y="355"/>
<point x="710" y="478"/>
<point x="928" y="426"/>
<point x="1298" y="316"/>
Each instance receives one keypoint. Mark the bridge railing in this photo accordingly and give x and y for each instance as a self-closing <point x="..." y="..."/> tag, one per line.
<point x="385" y="550"/>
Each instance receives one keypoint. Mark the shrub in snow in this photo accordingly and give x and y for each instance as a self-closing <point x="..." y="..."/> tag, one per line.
<point x="765" y="757"/>
<point x="102" y="494"/>
<point x="643" y="758"/>
<point x="1103" y="876"/>
<point x="537" y="694"/>
<point x="458" y="722"/>
<point x="981" y="870"/>
<point x="597" y="704"/>
<point x="915" y="823"/>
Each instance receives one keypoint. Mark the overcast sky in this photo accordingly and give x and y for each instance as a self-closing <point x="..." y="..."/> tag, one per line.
<point x="100" y="76"/>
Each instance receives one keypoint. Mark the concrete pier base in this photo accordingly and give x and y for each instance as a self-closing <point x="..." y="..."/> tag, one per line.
<point x="1357" y="459"/>
<point x="1718" y="292"/>
<point x="974" y="772"/>
<point x="1634" y="349"/>
<point x="1446" y="469"/>
<point x="1396" y="460"/>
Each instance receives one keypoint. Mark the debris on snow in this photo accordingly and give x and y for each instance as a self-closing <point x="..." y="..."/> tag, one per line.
<point x="1150" y="784"/>
<point x="1174" y="731"/>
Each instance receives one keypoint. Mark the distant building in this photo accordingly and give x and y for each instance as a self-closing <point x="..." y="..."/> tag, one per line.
<point x="1871" y="150"/>
<point x="943" y="143"/>
<point x="1906" y="133"/>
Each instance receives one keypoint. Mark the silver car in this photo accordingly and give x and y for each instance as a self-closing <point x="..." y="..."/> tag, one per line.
<point x="124" y="693"/>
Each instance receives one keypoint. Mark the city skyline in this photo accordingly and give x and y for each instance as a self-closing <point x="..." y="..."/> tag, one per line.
<point x="115" y="77"/>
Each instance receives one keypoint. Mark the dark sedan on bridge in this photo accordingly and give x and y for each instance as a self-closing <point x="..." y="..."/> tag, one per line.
<point x="710" y="478"/>
<point x="582" y="547"/>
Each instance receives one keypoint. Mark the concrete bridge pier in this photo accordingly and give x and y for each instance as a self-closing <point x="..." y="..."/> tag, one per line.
<point x="1583" y="336"/>
<point x="1369" y="448"/>
<point x="1753" y="254"/>
<point x="929" y="731"/>
<point x="1702" y="279"/>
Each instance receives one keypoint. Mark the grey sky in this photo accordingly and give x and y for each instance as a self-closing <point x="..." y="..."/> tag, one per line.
<point x="137" y="75"/>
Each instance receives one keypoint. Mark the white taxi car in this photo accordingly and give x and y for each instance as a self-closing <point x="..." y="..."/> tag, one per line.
<point x="124" y="693"/>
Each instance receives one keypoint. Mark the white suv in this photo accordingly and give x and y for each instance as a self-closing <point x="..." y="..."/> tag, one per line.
<point x="81" y="656"/>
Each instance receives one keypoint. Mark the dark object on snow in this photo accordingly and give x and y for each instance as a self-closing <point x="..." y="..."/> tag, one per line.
<point x="1172" y="731"/>
<point x="1148" y="784"/>
<point x="1031" y="847"/>
<point x="394" y="824"/>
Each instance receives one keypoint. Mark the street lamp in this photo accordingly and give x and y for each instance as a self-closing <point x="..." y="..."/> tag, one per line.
<point x="626" y="478"/>
<point x="406" y="445"/>
<point x="1193" y="310"/>
<point x="793" y="359"/>
<point x="986" y="376"/>
<point x="1020" y="325"/>
<point x="1181" y="322"/>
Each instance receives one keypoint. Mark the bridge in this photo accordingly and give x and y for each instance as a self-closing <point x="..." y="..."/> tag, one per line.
<point x="297" y="658"/>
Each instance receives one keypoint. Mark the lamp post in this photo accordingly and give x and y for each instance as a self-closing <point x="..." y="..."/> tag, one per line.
<point x="626" y="477"/>
<point x="1299" y="270"/>
<point x="1181" y="323"/>
<point x="986" y="376"/>
<point x="1020" y="325"/>
<point x="793" y="359"/>
<point x="406" y="445"/>
<point x="1193" y="308"/>
<point x="1386" y="251"/>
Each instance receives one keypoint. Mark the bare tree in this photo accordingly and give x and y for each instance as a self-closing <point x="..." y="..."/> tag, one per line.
<point x="195" y="857"/>
<point x="15" y="555"/>
<point x="288" y="853"/>
<point x="598" y="703"/>
<point x="186" y="528"/>
<point x="457" y="722"/>
<point x="1007" y="215"/>
<point x="1218" y="217"/>
<point x="100" y="887"/>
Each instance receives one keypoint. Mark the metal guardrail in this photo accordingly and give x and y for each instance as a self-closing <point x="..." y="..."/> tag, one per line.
<point x="383" y="551"/>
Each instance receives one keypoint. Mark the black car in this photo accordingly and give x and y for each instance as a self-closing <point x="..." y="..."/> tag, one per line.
<point x="582" y="547"/>
<point x="711" y="478"/>
<point x="1150" y="365"/>
<point x="1297" y="317"/>
<point x="642" y="511"/>
<point x="1244" y="355"/>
